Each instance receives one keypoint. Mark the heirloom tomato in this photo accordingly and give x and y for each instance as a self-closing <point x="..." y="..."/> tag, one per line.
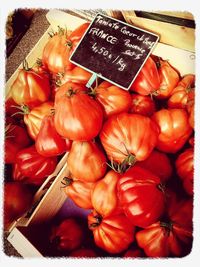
<point x="32" y="167"/>
<point x="113" y="99"/>
<point x="148" y="80"/>
<point x="33" y="118"/>
<point x="86" y="161"/>
<point x="30" y="88"/>
<point x="16" y="138"/>
<point x="77" y="115"/>
<point x="180" y="94"/>
<point x="17" y="200"/>
<point x="171" y="236"/>
<point x="79" y="192"/>
<point x="141" y="195"/>
<point x="84" y="253"/>
<point x="158" y="163"/>
<point x="174" y="129"/>
<point x="104" y="194"/>
<point x="67" y="235"/>
<point x="133" y="252"/>
<point x="48" y="142"/>
<point x="113" y="233"/>
<point x="143" y="105"/>
<point x="185" y="169"/>
<point x="169" y="78"/>
<point x="59" y="48"/>
<point x="129" y="137"/>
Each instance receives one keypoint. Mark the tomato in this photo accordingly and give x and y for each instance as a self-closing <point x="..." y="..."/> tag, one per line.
<point x="67" y="235"/>
<point x="33" y="167"/>
<point x="104" y="194"/>
<point x="129" y="137"/>
<point x="185" y="169"/>
<point x="89" y="157"/>
<point x="148" y="80"/>
<point x="113" y="99"/>
<point x="180" y="94"/>
<point x="133" y="252"/>
<point x="84" y="253"/>
<point x="16" y="138"/>
<point x="17" y="200"/>
<point x="80" y="192"/>
<point x="30" y="87"/>
<point x="77" y="115"/>
<point x="113" y="233"/>
<point x="11" y="109"/>
<point x="76" y="75"/>
<point x="169" y="237"/>
<point x="33" y="118"/>
<point x="48" y="142"/>
<point x="190" y="108"/>
<point x="141" y="196"/>
<point x="163" y="170"/>
<point x="59" y="48"/>
<point x="143" y="105"/>
<point x="174" y="129"/>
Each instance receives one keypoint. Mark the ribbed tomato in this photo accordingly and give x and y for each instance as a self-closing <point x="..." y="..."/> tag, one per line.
<point x="80" y="192"/>
<point x="77" y="115"/>
<point x="148" y="80"/>
<point x="185" y="169"/>
<point x="30" y="87"/>
<point x="143" y="105"/>
<point x="89" y="157"/>
<point x="141" y="195"/>
<point x="48" y="142"/>
<point x="129" y="137"/>
<point x="113" y="99"/>
<point x="174" y="129"/>
<point x="113" y="233"/>
<point x="84" y="253"/>
<point x="133" y="252"/>
<point x="32" y="167"/>
<point x="104" y="194"/>
<point x="171" y="236"/>
<point x="180" y="94"/>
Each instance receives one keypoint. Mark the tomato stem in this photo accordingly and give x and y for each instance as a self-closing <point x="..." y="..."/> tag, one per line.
<point x="98" y="219"/>
<point x="25" y="65"/>
<point x="161" y="187"/>
<point x="67" y="181"/>
<point x="167" y="226"/>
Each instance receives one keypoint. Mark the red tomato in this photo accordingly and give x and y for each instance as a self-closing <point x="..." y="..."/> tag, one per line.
<point x="59" y="48"/>
<point x="133" y="252"/>
<point x="84" y="253"/>
<point x="48" y="142"/>
<point x="11" y="109"/>
<point x="141" y="196"/>
<point x="33" y="118"/>
<point x="190" y="109"/>
<point x="148" y="80"/>
<point x="143" y="105"/>
<point x="30" y="88"/>
<point x="169" y="78"/>
<point x="80" y="192"/>
<point x="33" y="167"/>
<point x="180" y="94"/>
<point x="113" y="233"/>
<point x="67" y="236"/>
<point x="104" y="194"/>
<point x="76" y="75"/>
<point x="163" y="170"/>
<point x="174" y="129"/>
<point x="77" y="115"/>
<point x="126" y="137"/>
<point x="113" y="99"/>
<point x="185" y="169"/>
<point x="89" y="157"/>
<point x="16" y="138"/>
<point x="17" y="200"/>
<point x="172" y="237"/>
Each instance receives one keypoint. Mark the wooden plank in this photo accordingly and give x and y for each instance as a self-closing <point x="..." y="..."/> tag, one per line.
<point x="178" y="14"/>
<point x="177" y="36"/>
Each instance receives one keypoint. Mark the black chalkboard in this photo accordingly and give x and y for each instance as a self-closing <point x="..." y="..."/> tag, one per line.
<point x="114" y="50"/>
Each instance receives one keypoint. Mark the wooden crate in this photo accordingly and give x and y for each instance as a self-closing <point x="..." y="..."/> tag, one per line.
<point x="50" y="198"/>
<point x="175" y="28"/>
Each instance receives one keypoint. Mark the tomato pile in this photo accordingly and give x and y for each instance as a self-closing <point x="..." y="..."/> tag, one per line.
<point x="131" y="153"/>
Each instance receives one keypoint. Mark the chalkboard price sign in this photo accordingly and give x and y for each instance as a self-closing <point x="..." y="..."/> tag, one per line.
<point x="114" y="50"/>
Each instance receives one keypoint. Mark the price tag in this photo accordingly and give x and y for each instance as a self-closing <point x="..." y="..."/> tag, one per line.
<point x="114" y="50"/>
